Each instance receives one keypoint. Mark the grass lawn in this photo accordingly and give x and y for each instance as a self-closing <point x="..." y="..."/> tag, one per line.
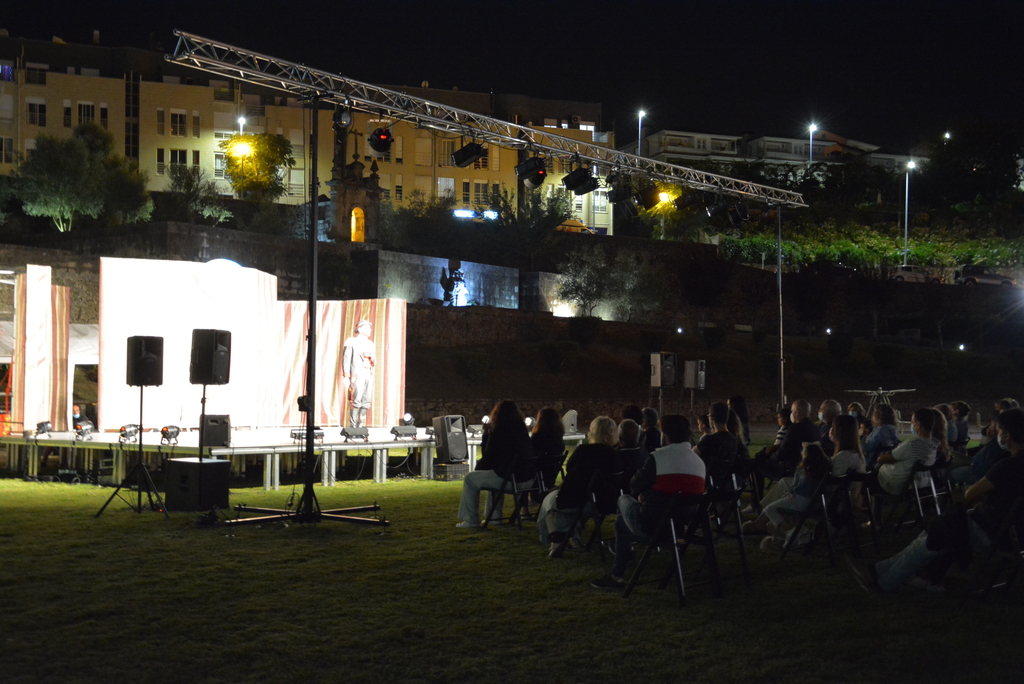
<point x="138" y="598"/>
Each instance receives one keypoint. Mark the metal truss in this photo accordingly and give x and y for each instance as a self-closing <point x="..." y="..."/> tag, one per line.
<point x="301" y="81"/>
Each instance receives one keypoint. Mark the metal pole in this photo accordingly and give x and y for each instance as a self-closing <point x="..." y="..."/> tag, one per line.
<point x="906" y="219"/>
<point x="308" y="509"/>
<point x="778" y="279"/>
<point x="639" y="132"/>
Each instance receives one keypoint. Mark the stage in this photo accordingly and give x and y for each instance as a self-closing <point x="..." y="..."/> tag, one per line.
<point x="274" y="446"/>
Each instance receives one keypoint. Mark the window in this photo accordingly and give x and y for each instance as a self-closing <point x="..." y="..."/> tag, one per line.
<point x="445" y="187"/>
<point x="397" y="148"/>
<point x="480" y="194"/>
<point x="131" y="95"/>
<point x="160" y="161"/>
<point x="36" y="73"/>
<point x="179" y="157"/>
<point x="179" y="125"/>
<point x="465" y="192"/>
<point x="195" y="124"/>
<point x="131" y="140"/>
<point x="398" y="187"/>
<point x="220" y="163"/>
<point x="86" y="113"/>
<point x="195" y="157"/>
<point x="104" y="116"/>
<point x="67" y="114"/>
<point x="385" y="194"/>
<point x="6" y="70"/>
<point x="422" y="152"/>
<point x="159" y="122"/>
<point x="37" y="114"/>
<point x="481" y="163"/>
<point x="446" y="148"/>
<point x="6" y="108"/>
<point x="6" y="150"/>
<point x="601" y="201"/>
<point x="578" y="203"/>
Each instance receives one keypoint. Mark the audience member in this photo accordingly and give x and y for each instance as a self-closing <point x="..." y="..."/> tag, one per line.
<point x="506" y="449"/>
<point x="631" y="450"/>
<point x="718" y="450"/>
<point x="961" y="419"/>
<point x="814" y="467"/>
<point x="704" y="425"/>
<point x="780" y="461"/>
<point x="736" y="428"/>
<point x="849" y="455"/>
<point x="784" y="417"/>
<point x="827" y="412"/>
<point x="652" y="437"/>
<point x="598" y="455"/>
<point x="547" y="439"/>
<point x="895" y="466"/>
<point x="634" y="413"/>
<point x="940" y="432"/>
<point x="884" y="437"/>
<point x="957" y="533"/>
<point x="739" y="405"/>
<point x="672" y="469"/>
<point x="986" y="457"/>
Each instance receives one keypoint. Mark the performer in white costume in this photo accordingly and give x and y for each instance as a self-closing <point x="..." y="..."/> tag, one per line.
<point x="357" y="361"/>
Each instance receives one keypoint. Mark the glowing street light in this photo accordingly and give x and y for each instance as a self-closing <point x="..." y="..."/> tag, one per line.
<point x="241" y="125"/>
<point x="810" y="148"/>
<point x="640" y="130"/>
<point x="906" y="214"/>
<point x="663" y="196"/>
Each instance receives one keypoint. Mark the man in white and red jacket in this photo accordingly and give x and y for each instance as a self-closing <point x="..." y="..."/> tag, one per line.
<point x="672" y="469"/>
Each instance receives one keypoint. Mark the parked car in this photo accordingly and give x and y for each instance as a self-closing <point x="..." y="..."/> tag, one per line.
<point x="979" y="275"/>
<point x="916" y="274"/>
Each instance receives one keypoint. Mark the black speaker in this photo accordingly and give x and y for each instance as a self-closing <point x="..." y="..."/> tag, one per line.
<point x="211" y="357"/>
<point x="194" y="485"/>
<point x="450" y="439"/>
<point x="663" y="369"/>
<point x="145" y="361"/>
<point x="217" y="431"/>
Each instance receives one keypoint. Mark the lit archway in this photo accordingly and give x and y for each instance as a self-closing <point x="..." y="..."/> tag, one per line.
<point x="358" y="225"/>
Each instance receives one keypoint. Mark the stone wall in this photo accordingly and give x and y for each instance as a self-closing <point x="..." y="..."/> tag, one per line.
<point x="80" y="273"/>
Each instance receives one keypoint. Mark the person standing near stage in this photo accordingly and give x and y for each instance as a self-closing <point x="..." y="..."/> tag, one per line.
<point x="358" y="359"/>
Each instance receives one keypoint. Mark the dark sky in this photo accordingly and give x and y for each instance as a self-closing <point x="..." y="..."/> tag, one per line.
<point x="889" y="72"/>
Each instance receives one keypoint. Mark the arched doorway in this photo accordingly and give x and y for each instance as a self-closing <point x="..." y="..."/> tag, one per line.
<point x="358" y="225"/>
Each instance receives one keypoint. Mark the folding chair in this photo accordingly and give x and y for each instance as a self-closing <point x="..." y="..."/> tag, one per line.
<point x="872" y="523"/>
<point x="830" y="508"/>
<point x="911" y="497"/>
<point x="593" y="510"/>
<point x="1005" y="555"/>
<point x="685" y="522"/>
<point x="520" y="492"/>
<point x="726" y="505"/>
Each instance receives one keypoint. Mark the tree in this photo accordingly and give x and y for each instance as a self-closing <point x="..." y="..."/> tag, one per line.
<point x="61" y="179"/>
<point x="256" y="164"/>
<point x="82" y="176"/>
<point x="585" y="279"/>
<point x="525" y="231"/>
<point x="636" y="285"/>
<point x="197" y="195"/>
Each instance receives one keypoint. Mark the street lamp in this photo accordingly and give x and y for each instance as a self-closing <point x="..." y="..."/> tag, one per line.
<point x="640" y="130"/>
<point x="810" y="147"/>
<point x="241" y="125"/>
<point x="906" y="214"/>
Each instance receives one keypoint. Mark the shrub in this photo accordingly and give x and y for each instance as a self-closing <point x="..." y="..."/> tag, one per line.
<point x="887" y="356"/>
<point x="714" y="338"/>
<point x="840" y="346"/>
<point x="559" y="356"/>
<point x="584" y="330"/>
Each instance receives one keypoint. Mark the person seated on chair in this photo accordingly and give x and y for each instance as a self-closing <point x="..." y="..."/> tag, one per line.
<point x="672" y="469"/>
<point x="719" y="449"/>
<point x="961" y="420"/>
<point x="631" y="451"/>
<point x="827" y="412"/>
<point x="959" y="532"/>
<point x="983" y="459"/>
<point x="505" y="445"/>
<point x="814" y="467"/>
<point x="634" y="413"/>
<point x="849" y="456"/>
<point x="784" y="417"/>
<point x="598" y="455"/>
<point x="895" y="466"/>
<point x="884" y="437"/>
<point x="703" y="426"/>
<point x="736" y="428"/>
<point x="652" y="437"/>
<point x="781" y="461"/>
<point x="547" y="438"/>
<point x="739" y="405"/>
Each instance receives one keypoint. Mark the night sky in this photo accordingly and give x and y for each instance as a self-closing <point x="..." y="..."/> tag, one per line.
<point x="888" y="72"/>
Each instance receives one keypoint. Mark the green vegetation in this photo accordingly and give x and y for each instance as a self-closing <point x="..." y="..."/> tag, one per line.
<point x="138" y="597"/>
<point x="256" y="164"/>
<point x="196" y="194"/>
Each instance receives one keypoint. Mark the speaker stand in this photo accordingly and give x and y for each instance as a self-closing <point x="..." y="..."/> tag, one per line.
<point x="202" y="444"/>
<point x="140" y="478"/>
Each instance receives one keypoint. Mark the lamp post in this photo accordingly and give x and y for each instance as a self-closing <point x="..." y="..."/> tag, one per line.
<point x="241" y="125"/>
<point x="810" y="147"/>
<point x="640" y="130"/>
<point x="906" y="214"/>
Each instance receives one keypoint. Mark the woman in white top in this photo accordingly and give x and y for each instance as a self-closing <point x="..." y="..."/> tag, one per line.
<point x="849" y="456"/>
<point x="895" y="466"/>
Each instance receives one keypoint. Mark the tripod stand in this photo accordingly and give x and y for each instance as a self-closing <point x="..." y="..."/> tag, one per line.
<point x="139" y="478"/>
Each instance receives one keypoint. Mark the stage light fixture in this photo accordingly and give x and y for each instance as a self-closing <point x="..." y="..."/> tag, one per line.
<point x="299" y="434"/>
<point x="128" y="433"/>
<point x="351" y="434"/>
<point x="579" y="181"/>
<point x="714" y="210"/>
<point x="169" y="434"/>
<point x="44" y="428"/>
<point x="380" y="141"/>
<point x="404" y="431"/>
<point x="467" y="154"/>
<point x="529" y="421"/>
<point x="620" y="188"/>
<point x="532" y="172"/>
<point x="686" y="201"/>
<point x="475" y="429"/>
<point x="84" y="429"/>
<point x="648" y="197"/>
<point x="408" y="419"/>
<point x="485" y="420"/>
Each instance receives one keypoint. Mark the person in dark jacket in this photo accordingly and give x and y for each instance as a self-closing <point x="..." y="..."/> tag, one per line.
<point x="781" y="461"/>
<point x="652" y="435"/>
<point x="547" y="438"/>
<point x="507" y="452"/>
